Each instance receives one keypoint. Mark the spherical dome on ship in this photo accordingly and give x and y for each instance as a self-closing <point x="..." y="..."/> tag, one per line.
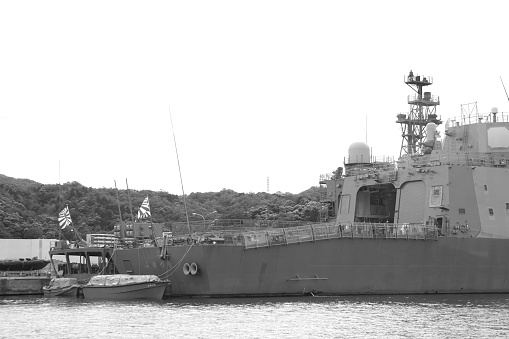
<point x="358" y="153"/>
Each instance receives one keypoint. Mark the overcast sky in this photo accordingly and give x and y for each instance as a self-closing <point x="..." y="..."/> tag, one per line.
<point x="257" y="89"/>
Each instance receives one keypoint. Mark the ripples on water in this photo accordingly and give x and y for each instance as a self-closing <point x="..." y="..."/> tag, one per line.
<point x="437" y="316"/>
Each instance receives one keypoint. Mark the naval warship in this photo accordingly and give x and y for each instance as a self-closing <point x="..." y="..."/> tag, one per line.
<point x="436" y="220"/>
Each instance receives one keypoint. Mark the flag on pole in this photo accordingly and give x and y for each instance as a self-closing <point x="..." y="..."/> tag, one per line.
<point x="144" y="210"/>
<point x="64" y="218"/>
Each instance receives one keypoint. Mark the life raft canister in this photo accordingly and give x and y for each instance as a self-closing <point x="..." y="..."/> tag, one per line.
<point x="194" y="268"/>
<point x="186" y="268"/>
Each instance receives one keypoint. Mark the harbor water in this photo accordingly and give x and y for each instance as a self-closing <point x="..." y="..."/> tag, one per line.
<point x="414" y="316"/>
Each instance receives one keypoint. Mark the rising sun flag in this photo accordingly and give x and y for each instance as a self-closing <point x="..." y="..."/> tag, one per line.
<point x="144" y="210"/>
<point x="64" y="218"/>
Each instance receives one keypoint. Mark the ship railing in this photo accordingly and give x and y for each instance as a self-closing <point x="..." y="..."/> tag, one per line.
<point x="370" y="169"/>
<point x="276" y="236"/>
<point x="389" y="231"/>
<point x="476" y="118"/>
<point x="414" y="98"/>
<point x="327" y="176"/>
<point x="362" y="230"/>
<point x="182" y="229"/>
<point x="370" y="161"/>
<point x="465" y="159"/>
<point x="256" y="239"/>
<point x="292" y="235"/>
<point x="408" y="231"/>
<point x="326" y="231"/>
<point x="416" y="231"/>
<point x="417" y="78"/>
<point x="307" y="233"/>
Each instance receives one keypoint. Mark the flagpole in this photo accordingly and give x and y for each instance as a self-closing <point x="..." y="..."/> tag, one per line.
<point x="58" y="201"/>
<point x="149" y="211"/>
<point x="118" y="201"/>
<point x="151" y="225"/>
<point x="121" y="224"/>
<point x="130" y="204"/>
<point x="72" y="226"/>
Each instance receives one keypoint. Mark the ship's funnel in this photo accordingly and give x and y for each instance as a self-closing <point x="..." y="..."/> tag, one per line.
<point x="358" y="153"/>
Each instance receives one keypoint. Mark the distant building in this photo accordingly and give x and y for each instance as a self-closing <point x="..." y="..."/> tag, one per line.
<point x="25" y="248"/>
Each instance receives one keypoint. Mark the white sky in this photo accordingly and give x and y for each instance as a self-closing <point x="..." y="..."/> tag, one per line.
<point x="257" y="89"/>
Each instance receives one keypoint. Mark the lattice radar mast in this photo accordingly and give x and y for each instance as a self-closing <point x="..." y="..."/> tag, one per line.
<point x="422" y="111"/>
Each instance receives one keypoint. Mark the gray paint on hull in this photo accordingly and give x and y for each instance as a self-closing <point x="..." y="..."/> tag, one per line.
<point x="335" y="267"/>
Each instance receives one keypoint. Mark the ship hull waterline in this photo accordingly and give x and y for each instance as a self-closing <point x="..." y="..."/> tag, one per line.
<point x="329" y="267"/>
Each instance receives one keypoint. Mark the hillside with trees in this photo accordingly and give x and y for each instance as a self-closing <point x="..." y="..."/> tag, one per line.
<point x="29" y="210"/>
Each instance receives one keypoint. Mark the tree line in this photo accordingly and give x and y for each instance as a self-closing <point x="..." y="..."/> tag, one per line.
<point x="29" y="210"/>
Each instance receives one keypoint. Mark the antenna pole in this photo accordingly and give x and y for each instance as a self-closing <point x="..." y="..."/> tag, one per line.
<point x="504" y="89"/>
<point x="129" y="196"/>
<point x="118" y="201"/>
<point x="121" y="224"/>
<point x="58" y="200"/>
<point x="180" y="173"/>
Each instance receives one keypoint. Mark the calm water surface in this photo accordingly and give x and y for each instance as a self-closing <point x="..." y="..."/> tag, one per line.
<point x="437" y="316"/>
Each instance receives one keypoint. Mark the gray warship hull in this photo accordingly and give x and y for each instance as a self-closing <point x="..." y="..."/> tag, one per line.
<point x="337" y="266"/>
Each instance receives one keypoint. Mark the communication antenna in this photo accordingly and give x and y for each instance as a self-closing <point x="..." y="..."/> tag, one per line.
<point x="268" y="191"/>
<point x="180" y="174"/>
<point x="118" y="201"/>
<point x="58" y="200"/>
<point x="504" y="89"/>
<point x="130" y="204"/>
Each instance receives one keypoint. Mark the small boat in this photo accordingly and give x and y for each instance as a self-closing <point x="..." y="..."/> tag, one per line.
<point x="62" y="287"/>
<point x="28" y="264"/>
<point x="124" y="286"/>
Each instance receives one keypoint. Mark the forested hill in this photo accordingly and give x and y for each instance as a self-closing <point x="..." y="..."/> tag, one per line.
<point x="29" y="210"/>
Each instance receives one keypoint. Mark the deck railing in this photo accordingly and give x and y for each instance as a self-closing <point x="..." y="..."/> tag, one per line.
<point x="312" y="232"/>
<point x="462" y="158"/>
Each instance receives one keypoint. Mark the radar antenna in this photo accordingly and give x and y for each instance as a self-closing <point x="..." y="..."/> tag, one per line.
<point x="422" y="112"/>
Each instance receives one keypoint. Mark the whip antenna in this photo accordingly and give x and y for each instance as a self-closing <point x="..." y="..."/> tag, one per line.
<point x="180" y="173"/>
<point x="504" y="89"/>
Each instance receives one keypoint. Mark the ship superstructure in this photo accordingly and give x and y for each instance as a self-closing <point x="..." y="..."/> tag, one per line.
<point x="460" y="184"/>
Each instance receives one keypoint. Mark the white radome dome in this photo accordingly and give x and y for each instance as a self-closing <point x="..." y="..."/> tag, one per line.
<point x="358" y="153"/>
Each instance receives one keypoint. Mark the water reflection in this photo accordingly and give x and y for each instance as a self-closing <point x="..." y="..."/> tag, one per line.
<point x="428" y="316"/>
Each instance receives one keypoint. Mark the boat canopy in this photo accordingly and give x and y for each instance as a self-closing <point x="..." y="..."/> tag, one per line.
<point x="121" y="279"/>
